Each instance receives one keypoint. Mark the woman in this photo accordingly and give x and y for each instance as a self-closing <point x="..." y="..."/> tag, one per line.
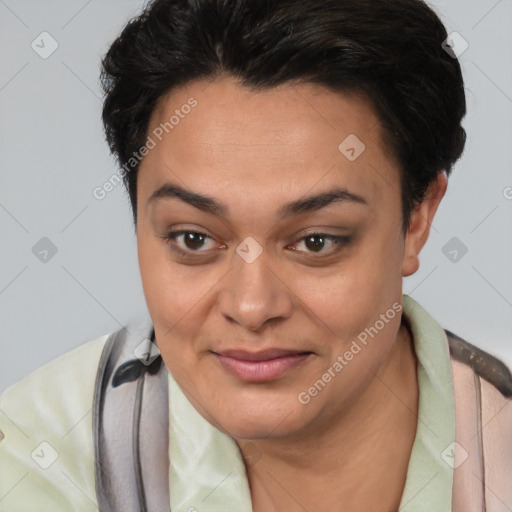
<point x="284" y="160"/>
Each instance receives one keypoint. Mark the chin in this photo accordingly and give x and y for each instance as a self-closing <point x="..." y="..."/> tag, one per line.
<point x="258" y="431"/>
<point x="241" y="423"/>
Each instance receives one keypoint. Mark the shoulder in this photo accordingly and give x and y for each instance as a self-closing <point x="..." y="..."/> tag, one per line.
<point x="46" y="450"/>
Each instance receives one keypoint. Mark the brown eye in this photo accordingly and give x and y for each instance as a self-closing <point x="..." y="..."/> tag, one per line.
<point x="316" y="242"/>
<point x="192" y="241"/>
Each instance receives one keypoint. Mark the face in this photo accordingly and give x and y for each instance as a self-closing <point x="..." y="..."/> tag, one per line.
<point x="267" y="245"/>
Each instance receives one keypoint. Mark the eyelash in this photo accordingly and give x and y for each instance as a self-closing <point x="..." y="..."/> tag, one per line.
<point x="339" y="241"/>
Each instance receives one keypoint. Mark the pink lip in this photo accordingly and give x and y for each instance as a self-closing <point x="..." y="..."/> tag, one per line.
<point x="260" y="366"/>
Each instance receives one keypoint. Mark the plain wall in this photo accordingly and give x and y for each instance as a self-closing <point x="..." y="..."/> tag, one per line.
<point x="53" y="155"/>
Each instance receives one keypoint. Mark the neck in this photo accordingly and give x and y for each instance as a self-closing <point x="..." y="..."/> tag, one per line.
<point x="366" y="473"/>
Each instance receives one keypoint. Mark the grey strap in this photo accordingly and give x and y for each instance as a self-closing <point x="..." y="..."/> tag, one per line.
<point x="484" y="364"/>
<point x="131" y="426"/>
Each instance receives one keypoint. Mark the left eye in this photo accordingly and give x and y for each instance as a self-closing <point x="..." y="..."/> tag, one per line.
<point x="316" y="242"/>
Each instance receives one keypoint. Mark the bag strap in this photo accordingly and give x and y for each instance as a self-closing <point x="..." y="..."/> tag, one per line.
<point x="483" y="389"/>
<point x="484" y="364"/>
<point x="131" y="419"/>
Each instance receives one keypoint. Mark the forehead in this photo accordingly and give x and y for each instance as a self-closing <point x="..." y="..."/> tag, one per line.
<point x="287" y="140"/>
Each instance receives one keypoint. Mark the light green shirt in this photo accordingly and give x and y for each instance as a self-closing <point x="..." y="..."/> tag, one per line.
<point x="47" y="455"/>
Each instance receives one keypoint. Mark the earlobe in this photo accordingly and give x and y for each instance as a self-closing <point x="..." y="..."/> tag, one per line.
<point x="410" y="264"/>
<point x="421" y="220"/>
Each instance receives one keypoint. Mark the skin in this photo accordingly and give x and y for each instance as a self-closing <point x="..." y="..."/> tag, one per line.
<point x="254" y="152"/>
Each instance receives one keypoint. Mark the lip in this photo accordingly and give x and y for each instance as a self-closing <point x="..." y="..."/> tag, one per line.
<point x="262" y="366"/>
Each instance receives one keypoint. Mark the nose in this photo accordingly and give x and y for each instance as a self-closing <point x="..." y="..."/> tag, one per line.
<point x="253" y="294"/>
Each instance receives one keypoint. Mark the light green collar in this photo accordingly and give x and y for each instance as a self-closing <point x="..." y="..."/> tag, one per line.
<point x="207" y="471"/>
<point x="429" y="476"/>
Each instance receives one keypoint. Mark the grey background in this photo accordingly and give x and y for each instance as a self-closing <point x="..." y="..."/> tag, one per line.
<point x="53" y="155"/>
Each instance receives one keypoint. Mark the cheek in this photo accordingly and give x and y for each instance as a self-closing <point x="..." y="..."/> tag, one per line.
<point x="351" y="296"/>
<point x="156" y="280"/>
<point x="171" y="290"/>
<point x="178" y="299"/>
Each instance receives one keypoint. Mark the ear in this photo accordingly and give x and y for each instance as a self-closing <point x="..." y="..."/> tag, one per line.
<point x="421" y="220"/>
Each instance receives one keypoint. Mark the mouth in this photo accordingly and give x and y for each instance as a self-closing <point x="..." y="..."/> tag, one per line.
<point x="263" y="366"/>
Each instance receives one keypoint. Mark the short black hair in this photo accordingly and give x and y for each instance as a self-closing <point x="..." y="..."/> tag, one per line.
<point x="390" y="50"/>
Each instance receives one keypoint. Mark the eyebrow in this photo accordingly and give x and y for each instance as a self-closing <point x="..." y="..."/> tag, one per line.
<point x="211" y="205"/>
